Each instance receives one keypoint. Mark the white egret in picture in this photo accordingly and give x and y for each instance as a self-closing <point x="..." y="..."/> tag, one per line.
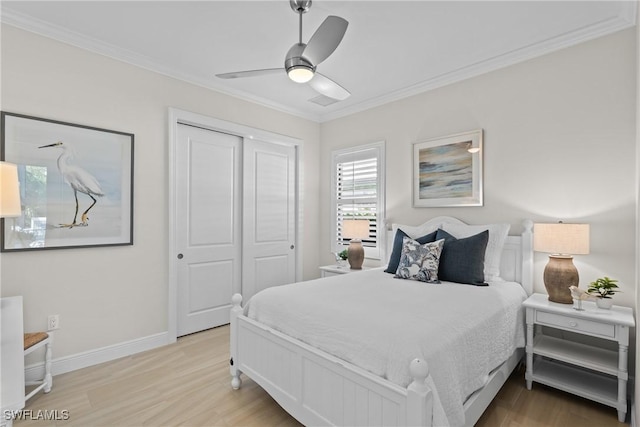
<point x="79" y="180"/>
<point x="76" y="184"/>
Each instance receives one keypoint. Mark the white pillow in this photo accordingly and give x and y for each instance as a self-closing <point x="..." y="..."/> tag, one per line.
<point x="415" y="231"/>
<point x="493" y="253"/>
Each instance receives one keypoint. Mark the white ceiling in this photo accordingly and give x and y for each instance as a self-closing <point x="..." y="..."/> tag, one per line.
<point x="392" y="49"/>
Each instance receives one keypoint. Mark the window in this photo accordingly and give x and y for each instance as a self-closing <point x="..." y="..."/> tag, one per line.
<point x="358" y="193"/>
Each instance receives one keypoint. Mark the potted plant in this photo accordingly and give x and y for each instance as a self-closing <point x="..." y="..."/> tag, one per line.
<point x="341" y="257"/>
<point x="603" y="288"/>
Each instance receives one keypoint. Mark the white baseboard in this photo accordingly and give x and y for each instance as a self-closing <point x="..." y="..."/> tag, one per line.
<point x="97" y="356"/>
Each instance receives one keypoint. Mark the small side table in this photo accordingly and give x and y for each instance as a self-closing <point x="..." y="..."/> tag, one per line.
<point x="12" y="359"/>
<point x="587" y="370"/>
<point x="335" y="270"/>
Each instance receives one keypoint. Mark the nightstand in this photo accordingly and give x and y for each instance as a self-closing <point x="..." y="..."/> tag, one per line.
<point x="587" y="370"/>
<point x="334" y="270"/>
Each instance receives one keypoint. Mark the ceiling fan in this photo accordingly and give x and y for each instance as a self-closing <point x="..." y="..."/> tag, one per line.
<point x="302" y="59"/>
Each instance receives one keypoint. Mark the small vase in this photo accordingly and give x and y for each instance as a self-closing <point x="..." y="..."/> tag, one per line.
<point x="605" y="303"/>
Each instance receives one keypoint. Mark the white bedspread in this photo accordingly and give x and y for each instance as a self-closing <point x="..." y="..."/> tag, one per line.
<point x="380" y="323"/>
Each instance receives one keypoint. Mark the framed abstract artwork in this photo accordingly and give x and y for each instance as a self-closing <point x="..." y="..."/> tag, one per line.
<point x="447" y="171"/>
<point x="76" y="184"/>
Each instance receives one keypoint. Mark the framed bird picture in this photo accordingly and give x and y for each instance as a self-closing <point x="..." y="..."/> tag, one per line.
<point x="75" y="184"/>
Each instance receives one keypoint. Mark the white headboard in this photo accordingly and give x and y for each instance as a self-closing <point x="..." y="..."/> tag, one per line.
<point x="516" y="263"/>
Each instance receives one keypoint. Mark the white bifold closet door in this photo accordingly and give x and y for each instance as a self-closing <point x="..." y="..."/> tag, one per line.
<point x="235" y="228"/>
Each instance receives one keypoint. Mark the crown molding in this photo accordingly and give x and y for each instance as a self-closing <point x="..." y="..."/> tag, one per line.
<point x="46" y="29"/>
<point x="625" y="19"/>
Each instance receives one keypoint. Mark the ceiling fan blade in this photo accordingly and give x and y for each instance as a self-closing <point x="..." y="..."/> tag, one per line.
<point x="326" y="39"/>
<point x="251" y="73"/>
<point x="327" y="87"/>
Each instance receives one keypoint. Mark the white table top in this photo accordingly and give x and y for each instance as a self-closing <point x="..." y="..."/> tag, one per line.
<point x="341" y="269"/>
<point x="616" y="315"/>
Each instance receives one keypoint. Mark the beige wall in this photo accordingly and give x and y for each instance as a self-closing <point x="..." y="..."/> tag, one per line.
<point x="106" y="296"/>
<point x="559" y="144"/>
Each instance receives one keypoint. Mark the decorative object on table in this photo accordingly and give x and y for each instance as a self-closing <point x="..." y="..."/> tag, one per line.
<point x="447" y="171"/>
<point x="340" y="257"/>
<point x="77" y="184"/>
<point x="561" y="241"/>
<point x="603" y="289"/>
<point x="344" y="256"/>
<point x="355" y="229"/>
<point x="579" y="295"/>
<point x="9" y="191"/>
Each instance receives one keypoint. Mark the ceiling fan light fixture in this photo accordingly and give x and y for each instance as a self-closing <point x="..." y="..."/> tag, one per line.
<point x="302" y="58"/>
<point x="300" y="73"/>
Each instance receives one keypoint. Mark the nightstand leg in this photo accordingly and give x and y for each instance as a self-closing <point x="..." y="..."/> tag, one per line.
<point x="623" y="356"/>
<point x="529" y="349"/>
<point x="621" y="416"/>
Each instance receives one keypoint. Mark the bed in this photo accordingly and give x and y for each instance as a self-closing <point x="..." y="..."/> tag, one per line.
<point x="416" y="366"/>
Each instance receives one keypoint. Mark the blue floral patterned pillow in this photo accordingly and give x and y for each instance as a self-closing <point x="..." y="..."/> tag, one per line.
<point x="419" y="261"/>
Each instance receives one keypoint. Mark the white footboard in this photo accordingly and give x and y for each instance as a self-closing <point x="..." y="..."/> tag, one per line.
<point x="319" y="389"/>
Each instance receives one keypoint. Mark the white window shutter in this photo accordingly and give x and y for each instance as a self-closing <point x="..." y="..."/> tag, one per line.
<point x="357" y="193"/>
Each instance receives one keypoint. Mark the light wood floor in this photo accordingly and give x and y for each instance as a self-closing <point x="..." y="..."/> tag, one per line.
<point x="188" y="384"/>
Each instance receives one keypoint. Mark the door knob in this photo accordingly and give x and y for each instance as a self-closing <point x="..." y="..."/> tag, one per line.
<point x="180" y="256"/>
<point x="291" y="247"/>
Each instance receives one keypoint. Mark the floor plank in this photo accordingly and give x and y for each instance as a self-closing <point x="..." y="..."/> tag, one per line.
<point x="188" y="384"/>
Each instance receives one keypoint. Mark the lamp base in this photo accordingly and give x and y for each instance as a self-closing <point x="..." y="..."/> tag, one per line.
<point x="559" y="275"/>
<point x="355" y="254"/>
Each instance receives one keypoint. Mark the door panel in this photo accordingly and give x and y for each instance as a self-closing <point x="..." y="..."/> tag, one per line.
<point x="272" y="271"/>
<point x="212" y="190"/>
<point x="208" y="230"/>
<point x="272" y="222"/>
<point x="269" y="225"/>
<point x="203" y="297"/>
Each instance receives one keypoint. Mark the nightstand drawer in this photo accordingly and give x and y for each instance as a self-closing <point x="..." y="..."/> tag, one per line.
<point x="580" y="325"/>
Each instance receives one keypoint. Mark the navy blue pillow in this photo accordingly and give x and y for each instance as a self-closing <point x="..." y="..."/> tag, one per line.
<point x="396" y="252"/>
<point x="462" y="260"/>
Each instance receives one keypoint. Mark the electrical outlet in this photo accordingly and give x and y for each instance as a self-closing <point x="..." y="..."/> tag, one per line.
<point x="54" y="322"/>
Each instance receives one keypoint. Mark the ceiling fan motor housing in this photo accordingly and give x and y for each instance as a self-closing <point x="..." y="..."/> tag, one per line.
<point x="294" y="58"/>
<point x="300" y="6"/>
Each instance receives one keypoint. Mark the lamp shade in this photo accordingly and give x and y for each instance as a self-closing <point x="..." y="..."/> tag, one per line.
<point x="355" y="228"/>
<point x="560" y="238"/>
<point x="9" y="190"/>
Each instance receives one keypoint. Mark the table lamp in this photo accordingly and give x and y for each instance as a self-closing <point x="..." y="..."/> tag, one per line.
<point x="9" y="190"/>
<point x="355" y="229"/>
<point x="561" y="241"/>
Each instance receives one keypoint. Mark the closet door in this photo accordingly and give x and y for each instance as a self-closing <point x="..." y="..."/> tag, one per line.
<point x="269" y="208"/>
<point x="208" y="229"/>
